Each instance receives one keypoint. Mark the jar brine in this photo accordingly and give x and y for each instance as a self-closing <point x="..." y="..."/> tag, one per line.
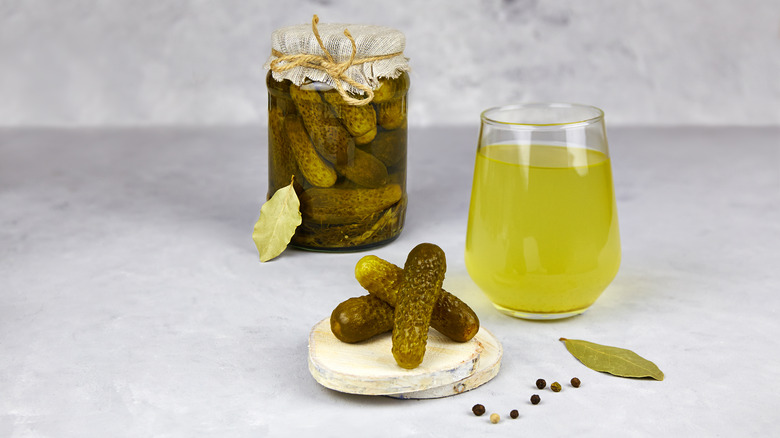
<point x="337" y="127"/>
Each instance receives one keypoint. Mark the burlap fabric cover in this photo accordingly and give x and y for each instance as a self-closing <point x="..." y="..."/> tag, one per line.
<point x="378" y="52"/>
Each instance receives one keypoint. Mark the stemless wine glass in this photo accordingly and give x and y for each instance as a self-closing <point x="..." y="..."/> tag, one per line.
<point x="542" y="239"/>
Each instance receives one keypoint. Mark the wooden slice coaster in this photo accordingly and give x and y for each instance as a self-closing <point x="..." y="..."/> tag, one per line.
<point x="368" y="367"/>
<point x="487" y="368"/>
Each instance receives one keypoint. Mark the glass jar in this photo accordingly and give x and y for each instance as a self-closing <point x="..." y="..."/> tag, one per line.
<point x="347" y="160"/>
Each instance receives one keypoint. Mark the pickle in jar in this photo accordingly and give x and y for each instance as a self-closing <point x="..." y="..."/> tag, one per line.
<point x="392" y="115"/>
<point x="359" y="120"/>
<point x="388" y="146"/>
<point x="367" y="137"/>
<point x="314" y="169"/>
<point x="337" y="205"/>
<point x="281" y="161"/>
<point x="391" y="88"/>
<point x="365" y="170"/>
<point x="328" y="135"/>
<point x="380" y="226"/>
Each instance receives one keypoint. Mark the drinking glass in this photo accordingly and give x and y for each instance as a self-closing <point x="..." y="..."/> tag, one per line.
<point x="542" y="239"/>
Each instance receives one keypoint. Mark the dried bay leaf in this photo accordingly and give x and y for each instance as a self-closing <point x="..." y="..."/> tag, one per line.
<point x="279" y="217"/>
<point x="612" y="360"/>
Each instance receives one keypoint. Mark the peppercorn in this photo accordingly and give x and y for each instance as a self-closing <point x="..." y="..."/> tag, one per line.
<point x="494" y="418"/>
<point x="535" y="399"/>
<point x="556" y="387"/>
<point x="540" y="383"/>
<point x="514" y="414"/>
<point x="478" y="409"/>
<point x="575" y="382"/>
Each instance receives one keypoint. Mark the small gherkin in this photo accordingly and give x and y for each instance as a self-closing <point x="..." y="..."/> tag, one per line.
<point x="281" y="161"/>
<point x="358" y="119"/>
<point x="361" y="318"/>
<point x="327" y="134"/>
<point x="392" y="115"/>
<point x="386" y="91"/>
<point x="366" y="138"/>
<point x="423" y="276"/>
<point x="365" y="170"/>
<point x="388" y="146"/>
<point x="391" y="88"/>
<point x="341" y="206"/>
<point x="316" y="170"/>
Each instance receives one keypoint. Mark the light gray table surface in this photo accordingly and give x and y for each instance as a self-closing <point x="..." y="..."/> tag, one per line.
<point x="133" y="304"/>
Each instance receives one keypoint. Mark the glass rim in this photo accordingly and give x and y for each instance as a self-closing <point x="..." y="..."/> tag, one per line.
<point x="485" y="116"/>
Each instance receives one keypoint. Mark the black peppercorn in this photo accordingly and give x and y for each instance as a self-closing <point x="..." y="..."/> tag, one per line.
<point x="478" y="409"/>
<point x="556" y="387"/>
<point x="540" y="383"/>
<point x="575" y="382"/>
<point x="535" y="399"/>
<point x="514" y="414"/>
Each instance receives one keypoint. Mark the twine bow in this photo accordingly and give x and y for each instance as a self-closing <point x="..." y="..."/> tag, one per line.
<point x="336" y="70"/>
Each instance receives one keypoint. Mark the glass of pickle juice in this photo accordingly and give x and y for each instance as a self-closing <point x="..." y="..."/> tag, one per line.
<point x="542" y="239"/>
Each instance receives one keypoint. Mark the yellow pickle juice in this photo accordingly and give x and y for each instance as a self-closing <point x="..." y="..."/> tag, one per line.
<point x="337" y="124"/>
<point x="544" y="230"/>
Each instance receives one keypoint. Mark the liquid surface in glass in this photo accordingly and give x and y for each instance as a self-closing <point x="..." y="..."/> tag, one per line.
<point x="543" y="231"/>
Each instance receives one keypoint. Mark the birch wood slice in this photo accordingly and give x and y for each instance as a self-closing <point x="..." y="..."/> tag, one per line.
<point x="487" y="368"/>
<point x="369" y="368"/>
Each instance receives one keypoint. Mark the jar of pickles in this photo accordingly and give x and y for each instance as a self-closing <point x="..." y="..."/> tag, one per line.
<point x="337" y="129"/>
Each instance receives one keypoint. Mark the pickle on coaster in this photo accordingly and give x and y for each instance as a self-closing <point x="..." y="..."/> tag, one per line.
<point x="337" y="122"/>
<point x="381" y="343"/>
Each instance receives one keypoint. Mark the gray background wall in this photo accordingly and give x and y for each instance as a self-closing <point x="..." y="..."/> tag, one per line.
<point x="159" y="62"/>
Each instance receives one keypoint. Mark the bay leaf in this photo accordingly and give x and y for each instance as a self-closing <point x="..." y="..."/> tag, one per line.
<point x="612" y="360"/>
<point x="279" y="217"/>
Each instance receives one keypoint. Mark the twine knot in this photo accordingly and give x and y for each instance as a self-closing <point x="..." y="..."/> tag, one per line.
<point x="326" y="63"/>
